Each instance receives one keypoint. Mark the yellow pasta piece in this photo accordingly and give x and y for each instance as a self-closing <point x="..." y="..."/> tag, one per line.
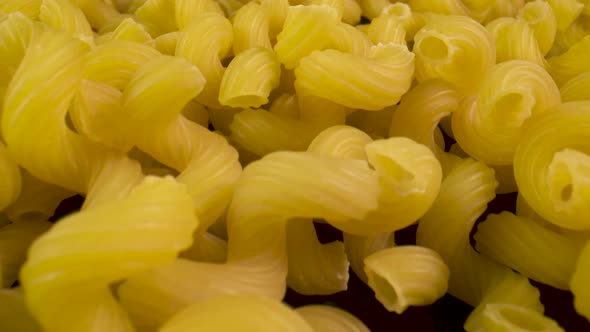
<point x="476" y="9"/>
<point x="579" y="283"/>
<point x="410" y="21"/>
<point x="130" y="30"/>
<point x="348" y="39"/>
<point x="515" y="40"/>
<point x="540" y="18"/>
<point x="578" y="88"/>
<point x="373" y="8"/>
<point x="406" y="276"/>
<point x="160" y="13"/>
<point x="314" y="268"/>
<point x="207" y="248"/>
<point x="197" y="113"/>
<point x="488" y="124"/>
<point x="505" y="177"/>
<point x="251" y="28"/>
<point x="186" y="10"/>
<point x="517" y="242"/>
<point x="115" y="62"/>
<point x="30" y="8"/>
<point x="387" y="29"/>
<point x="571" y="63"/>
<point x="14" y="314"/>
<point x="338" y="5"/>
<point x="16" y="31"/>
<point x="64" y="15"/>
<point x="15" y="240"/>
<point x="330" y="319"/>
<point x="566" y="11"/>
<point x="277" y="11"/>
<point x="504" y="317"/>
<point x="341" y="142"/>
<point x="249" y="79"/>
<point x="374" y="123"/>
<point x="98" y="12"/>
<point x="248" y="314"/>
<point x="166" y="43"/>
<point x="9" y="177"/>
<point x="504" y="8"/>
<point x="551" y="164"/>
<point x="204" y="42"/>
<point x="352" y="12"/>
<point x="360" y="247"/>
<point x="370" y="83"/>
<point x="456" y="49"/>
<point x="306" y="29"/>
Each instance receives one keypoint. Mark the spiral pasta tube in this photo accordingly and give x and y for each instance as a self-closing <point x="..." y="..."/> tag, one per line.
<point x="160" y="13"/>
<point x="30" y="8"/>
<point x="277" y="11"/>
<point x="166" y="43"/>
<point x="9" y="177"/>
<point x="251" y="26"/>
<point x="186" y="10"/>
<point x="541" y="19"/>
<point x="249" y="314"/>
<point x="455" y="49"/>
<point x="16" y="31"/>
<point x="360" y="247"/>
<point x="131" y="30"/>
<point x="579" y="285"/>
<point x="370" y="83"/>
<point x="64" y="15"/>
<point x="578" y="88"/>
<point x="551" y="163"/>
<point x="490" y="122"/>
<point x="476" y="9"/>
<point x="406" y="276"/>
<point x="505" y="317"/>
<point x="387" y="29"/>
<point x="330" y="319"/>
<point x="571" y="63"/>
<point x="515" y="40"/>
<point x="517" y="242"/>
<point x="566" y="11"/>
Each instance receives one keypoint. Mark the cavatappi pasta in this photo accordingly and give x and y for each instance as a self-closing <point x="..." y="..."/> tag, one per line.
<point x="208" y="138"/>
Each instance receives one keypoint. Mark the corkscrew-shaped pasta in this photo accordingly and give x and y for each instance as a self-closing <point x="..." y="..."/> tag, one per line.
<point x="540" y="18"/>
<point x="406" y="276"/>
<point x="515" y="40"/>
<point x="505" y="317"/>
<point x="129" y="30"/>
<point x="489" y="123"/>
<point x="455" y="49"/>
<point x="251" y="26"/>
<point x="387" y="29"/>
<point x="330" y="319"/>
<point x="16" y="30"/>
<point x="248" y="314"/>
<point x="187" y="10"/>
<point x="571" y="63"/>
<point x="360" y="247"/>
<point x="551" y="164"/>
<point x="372" y="83"/>
<point x="160" y="13"/>
<point x="66" y="16"/>
<point x="518" y="242"/>
<point x="566" y="11"/>
<point x="476" y="9"/>
<point x="578" y="88"/>
<point x="9" y="177"/>
<point x="445" y="228"/>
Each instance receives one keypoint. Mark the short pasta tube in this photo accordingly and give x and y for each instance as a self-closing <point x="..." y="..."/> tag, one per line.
<point x="578" y="88"/>
<point x="571" y="63"/>
<point x="251" y="25"/>
<point x="406" y="276"/>
<point x="455" y="49"/>
<point x="360" y="247"/>
<point x="489" y="123"/>
<point x="330" y="319"/>
<point x="566" y="12"/>
<point x="505" y="317"/>
<point x="540" y="18"/>
<point x="30" y="8"/>
<point x="515" y="40"/>
<point x="476" y="9"/>
<point x="66" y="16"/>
<point x="551" y="164"/>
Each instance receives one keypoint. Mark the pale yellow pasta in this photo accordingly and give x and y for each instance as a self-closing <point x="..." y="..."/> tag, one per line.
<point x="578" y="88"/>
<point x="187" y="10"/>
<point x="338" y="5"/>
<point x="251" y="26"/>
<point x="16" y="30"/>
<point x="229" y="7"/>
<point x="306" y="29"/>
<point x="571" y="63"/>
<point x="66" y="16"/>
<point x="540" y="18"/>
<point x="30" y="8"/>
<point x="237" y="312"/>
<point x="320" y="113"/>
<point x="373" y="8"/>
<point x="551" y="164"/>
<point x="518" y="242"/>
<point x="352" y="12"/>
<point x="9" y="177"/>
<point x="348" y="39"/>
<point x="14" y="314"/>
<point x="196" y="112"/>
<point x="314" y="268"/>
<point x="360" y="247"/>
<point x="564" y="40"/>
<point x="579" y="283"/>
<point x="277" y="11"/>
<point x="207" y="248"/>
<point x="566" y="12"/>
<point x="160" y="13"/>
<point x="98" y="12"/>
<point x="166" y="43"/>
<point x="387" y="29"/>
<point x="476" y="9"/>
<point x="374" y="123"/>
<point x="406" y="276"/>
<point x="130" y="30"/>
<point x="505" y="178"/>
<point x="456" y="49"/>
<point x="505" y="317"/>
<point x="489" y="123"/>
<point x="515" y="40"/>
<point x="249" y="78"/>
<point x="410" y="21"/>
<point x="15" y="240"/>
<point x="330" y="319"/>
<point x="504" y="8"/>
<point x="204" y="42"/>
<point x="371" y="83"/>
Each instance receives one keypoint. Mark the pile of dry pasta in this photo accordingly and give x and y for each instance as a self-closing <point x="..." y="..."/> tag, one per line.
<point x="207" y="137"/>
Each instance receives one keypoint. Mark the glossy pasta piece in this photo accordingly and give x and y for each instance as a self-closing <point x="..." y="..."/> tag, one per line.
<point x="541" y="19"/>
<point x="314" y="268"/>
<point x="205" y="42"/>
<point x="551" y="164"/>
<point x="517" y="242"/>
<point x="306" y="29"/>
<point x="87" y="251"/>
<point x="248" y="314"/>
<point x="579" y="283"/>
<point x="406" y="276"/>
<point x="360" y="247"/>
<point x="187" y="10"/>
<point x="578" y="88"/>
<point x="330" y="319"/>
<point x="566" y="11"/>
<point x="14" y="314"/>
<point x="476" y="9"/>
<point x="9" y="177"/>
<point x="16" y="31"/>
<point x="66" y="16"/>
<point x="515" y="40"/>
<point x="251" y="26"/>
<point x="504" y="317"/>
<point x="488" y="124"/>
<point x="571" y="63"/>
<point x="15" y="240"/>
<point x="455" y="49"/>
<point x="370" y="83"/>
<point x="249" y="79"/>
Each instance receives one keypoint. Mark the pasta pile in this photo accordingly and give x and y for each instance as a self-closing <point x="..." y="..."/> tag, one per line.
<point x="207" y="138"/>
